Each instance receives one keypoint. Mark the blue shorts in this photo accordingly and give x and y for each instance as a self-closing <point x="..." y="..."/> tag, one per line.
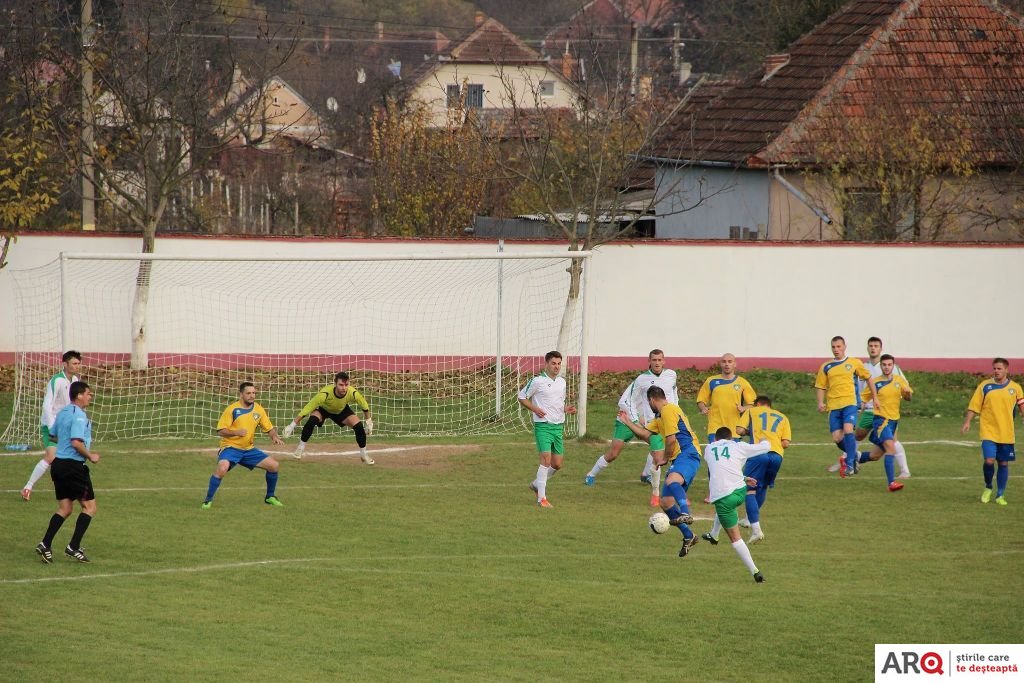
<point x="1003" y="452"/>
<point x="764" y="468"/>
<point x="841" y="416"/>
<point x="686" y="465"/>
<point x="237" y="456"/>
<point x="882" y="429"/>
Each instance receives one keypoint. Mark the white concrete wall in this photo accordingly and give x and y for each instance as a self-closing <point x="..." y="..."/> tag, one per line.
<point x="698" y="300"/>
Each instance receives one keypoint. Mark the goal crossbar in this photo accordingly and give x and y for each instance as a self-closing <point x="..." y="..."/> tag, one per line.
<point x="502" y="256"/>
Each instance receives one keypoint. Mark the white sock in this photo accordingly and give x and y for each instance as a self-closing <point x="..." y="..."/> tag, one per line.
<point x="41" y="468"/>
<point x="552" y="472"/>
<point x="649" y="466"/>
<point x="744" y="552"/>
<point x="301" y="446"/>
<point x="541" y="482"/>
<point x="755" y="528"/>
<point x="598" y="466"/>
<point x="362" y="451"/>
<point x="901" y="458"/>
<point x="656" y="481"/>
<point x="716" y="527"/>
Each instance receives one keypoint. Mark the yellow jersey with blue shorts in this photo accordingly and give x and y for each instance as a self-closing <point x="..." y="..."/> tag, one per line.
<point x="996" y="405"/>
<point x="723" y="397"/>
<point x="236" y="416"/>
<point x="672" y="422"/>
<point x="766" y="424"/>
<point x="837" y="379"/>
<point x="887" y="407"/>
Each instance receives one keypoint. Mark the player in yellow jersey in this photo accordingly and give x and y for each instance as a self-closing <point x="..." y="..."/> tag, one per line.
<point x="334" y="402"/>
<point x="996" y="401"/>
<point x="237" y="429"/>
<point x="673" y="443"/>
<point x="723" y="398"/>
<point x="836" y="386"/>
<point x="890" y="389"/>
<point x="762" y="423"/>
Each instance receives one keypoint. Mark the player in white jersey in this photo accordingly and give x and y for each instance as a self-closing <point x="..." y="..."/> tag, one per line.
<point x="656" y="376"/>
<point x="725" y="459"/>
<point x="544" y="396"/>
<point x="867" y="413"/>
<point x="54" y="400"/>
<point x="634" y="402"/>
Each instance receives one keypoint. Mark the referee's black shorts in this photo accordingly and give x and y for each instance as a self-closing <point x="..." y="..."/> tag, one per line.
<point x="339" y="418"/>
<point x="71" y="480"/>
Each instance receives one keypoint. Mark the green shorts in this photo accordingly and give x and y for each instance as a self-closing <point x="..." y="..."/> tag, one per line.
<point x="622" y="432"/>
<point x="45" y="437"/>
<point x="548" y="438"/>
<point x="726" y="507"/>
<point x="657" y="442"/>
<point x="866" y="419"/>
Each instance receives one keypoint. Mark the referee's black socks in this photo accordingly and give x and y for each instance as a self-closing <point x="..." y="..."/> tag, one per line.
<point x="81" y="524"/>
<point x="56" y="522"/>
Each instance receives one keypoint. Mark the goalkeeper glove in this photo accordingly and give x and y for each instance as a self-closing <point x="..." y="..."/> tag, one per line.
<point x="369" y="425"/>
<point x="289" y="430"/>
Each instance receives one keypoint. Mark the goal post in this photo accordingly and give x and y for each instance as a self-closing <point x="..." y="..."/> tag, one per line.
<point x="439" y="344"/>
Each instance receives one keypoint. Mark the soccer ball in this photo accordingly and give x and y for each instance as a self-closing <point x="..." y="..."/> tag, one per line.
<point x="659" y="522"/>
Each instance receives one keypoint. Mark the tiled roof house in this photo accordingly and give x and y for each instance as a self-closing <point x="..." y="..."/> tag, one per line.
<point x="595" y="42"/>
<point x="750" y="149"/>
<point x="481" y="70"/>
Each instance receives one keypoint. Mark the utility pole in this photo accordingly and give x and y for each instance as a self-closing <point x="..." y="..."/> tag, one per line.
<point x="88" y="179"/>
<point x="676" y="37"/>
<point x="634" y="56"/>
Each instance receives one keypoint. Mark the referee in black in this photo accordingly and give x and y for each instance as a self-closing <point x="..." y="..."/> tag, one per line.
<point x="70" y="474"/>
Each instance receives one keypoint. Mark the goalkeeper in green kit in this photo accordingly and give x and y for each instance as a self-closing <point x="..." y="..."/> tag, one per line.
<point x="334" y="402"/>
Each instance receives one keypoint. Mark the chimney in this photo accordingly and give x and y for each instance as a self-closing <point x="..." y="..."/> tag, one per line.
<point x="773" y="63"/>
<point x="380" y="30"/>
<point x="568" y="66"/>
<point x="479" y="18"/>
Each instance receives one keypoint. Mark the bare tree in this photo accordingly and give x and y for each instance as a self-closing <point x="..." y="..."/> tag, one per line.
<point x="896" y="170"/>
<point x="580" y="167"/>
<point x="164" y="104"/>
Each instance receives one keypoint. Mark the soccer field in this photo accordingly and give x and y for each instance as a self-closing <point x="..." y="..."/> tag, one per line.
<point x="436" y="564"/>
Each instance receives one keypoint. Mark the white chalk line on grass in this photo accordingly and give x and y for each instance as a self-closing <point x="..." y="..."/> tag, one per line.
<point x="203" y="449"/>
<point x="446" y="486"/>
<point x="169" y="570"/>
<point x="398" y="449"/>
<point x="389" y="559"/>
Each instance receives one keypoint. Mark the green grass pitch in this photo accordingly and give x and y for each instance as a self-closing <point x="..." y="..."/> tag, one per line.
<point x="436" y="564"/>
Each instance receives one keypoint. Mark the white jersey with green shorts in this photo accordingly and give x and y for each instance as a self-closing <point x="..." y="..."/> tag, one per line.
<point x="728" y="488"/>
<point x="548" y="394"/>
<point x="57" y="396"/>
<point x="639" y="408"/>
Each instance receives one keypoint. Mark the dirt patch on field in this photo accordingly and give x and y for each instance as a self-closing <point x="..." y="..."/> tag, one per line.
<point x="412" y="457"/>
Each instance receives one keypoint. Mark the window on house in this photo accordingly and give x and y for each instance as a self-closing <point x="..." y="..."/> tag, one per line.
<point x="866" y="216"/>
<point x="452" y="94"/>
<point x="546" y="89"/>
<point x="474" y="96"/>
<point x="276" y="101"/>
<point x="862" y="213"/>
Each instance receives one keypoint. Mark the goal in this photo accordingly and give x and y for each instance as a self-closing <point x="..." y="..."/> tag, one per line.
<point x="438" y="345"/>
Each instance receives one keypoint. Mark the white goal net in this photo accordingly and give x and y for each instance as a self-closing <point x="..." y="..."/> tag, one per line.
<point x="439" y="346"/>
